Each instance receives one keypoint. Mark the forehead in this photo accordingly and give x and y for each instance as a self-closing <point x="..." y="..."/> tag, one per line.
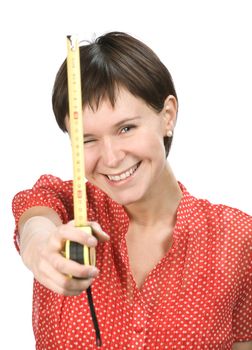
<point x="126" y="105"/>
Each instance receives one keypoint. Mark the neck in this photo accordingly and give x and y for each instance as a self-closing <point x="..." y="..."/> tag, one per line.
<point x="160" y="206"/>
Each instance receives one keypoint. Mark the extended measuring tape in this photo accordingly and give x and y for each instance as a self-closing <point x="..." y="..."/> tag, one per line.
<point x="74" y="250"/>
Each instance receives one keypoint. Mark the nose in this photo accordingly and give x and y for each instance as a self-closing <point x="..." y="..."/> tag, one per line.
<point x="112" y="154"/>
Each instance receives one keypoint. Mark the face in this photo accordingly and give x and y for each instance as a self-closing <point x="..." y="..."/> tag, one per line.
<point x="124" y="149"/>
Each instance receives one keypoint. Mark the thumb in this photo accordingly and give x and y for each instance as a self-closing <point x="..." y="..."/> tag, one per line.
<point x="98" y="232"/>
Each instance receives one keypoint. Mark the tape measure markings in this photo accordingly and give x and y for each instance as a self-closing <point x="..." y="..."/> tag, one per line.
<point x="77" y="139"/>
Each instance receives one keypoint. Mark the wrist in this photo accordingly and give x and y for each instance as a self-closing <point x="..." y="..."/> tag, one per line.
<point x="34" y="232"/>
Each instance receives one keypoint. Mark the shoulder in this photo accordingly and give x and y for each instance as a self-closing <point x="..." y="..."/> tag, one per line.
<point x="49" y="181"/>
<point x="226" y="227"/>
<point x="205" y="213"/>
<point x="224" y="216"/>
<point x="221" y="225"/>
<point x="48" y="185"/>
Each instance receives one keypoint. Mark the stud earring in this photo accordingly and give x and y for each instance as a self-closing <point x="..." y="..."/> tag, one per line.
<point x="169" y="133"/>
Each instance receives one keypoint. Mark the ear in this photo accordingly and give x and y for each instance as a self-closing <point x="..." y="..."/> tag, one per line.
<point x="169" y="112"/>
<point x="67" y="124"/>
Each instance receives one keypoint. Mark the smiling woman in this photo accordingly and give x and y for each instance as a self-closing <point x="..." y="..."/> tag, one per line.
<point x="115" y="161"/>
<point x="174" y="271"/>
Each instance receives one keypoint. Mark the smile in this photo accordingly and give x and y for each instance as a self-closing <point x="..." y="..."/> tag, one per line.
<point x="124" y="175"/>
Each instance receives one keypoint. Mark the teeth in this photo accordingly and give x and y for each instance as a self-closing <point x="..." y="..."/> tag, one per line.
<point x="123" y="176"/>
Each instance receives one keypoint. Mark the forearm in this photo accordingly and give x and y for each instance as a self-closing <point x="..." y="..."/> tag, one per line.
<point x="34" y="227"/>
<point x="38" y="211"/>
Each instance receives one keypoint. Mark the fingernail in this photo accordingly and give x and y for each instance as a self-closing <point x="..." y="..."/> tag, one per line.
<point x="105" y="234"/>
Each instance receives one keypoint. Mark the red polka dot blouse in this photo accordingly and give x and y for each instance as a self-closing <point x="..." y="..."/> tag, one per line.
<point x="199" y="296"/>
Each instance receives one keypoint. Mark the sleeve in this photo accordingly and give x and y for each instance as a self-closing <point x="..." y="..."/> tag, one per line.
<point x="48" y="191"/>
<point x="242" y="313"/>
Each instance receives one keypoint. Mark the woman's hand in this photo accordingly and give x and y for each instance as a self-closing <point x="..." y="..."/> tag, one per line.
<point x="41" y="246"/>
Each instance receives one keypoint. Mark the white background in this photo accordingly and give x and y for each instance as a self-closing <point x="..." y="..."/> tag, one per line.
<point x="206" y="45"/>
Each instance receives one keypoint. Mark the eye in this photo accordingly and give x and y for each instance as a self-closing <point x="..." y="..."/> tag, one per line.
<point x="127" y="128"/>
<point x="88" y="141"/>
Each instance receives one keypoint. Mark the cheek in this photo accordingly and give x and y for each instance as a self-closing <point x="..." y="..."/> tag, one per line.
<point x="90" y="163"/>
<point x="151" y="142"/>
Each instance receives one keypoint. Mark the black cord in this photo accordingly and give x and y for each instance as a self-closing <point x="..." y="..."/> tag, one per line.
<point x="76" y="254"/>
<point x="94" y="318"/>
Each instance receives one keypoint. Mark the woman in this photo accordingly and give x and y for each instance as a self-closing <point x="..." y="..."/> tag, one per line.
<point x="173" y="271"/>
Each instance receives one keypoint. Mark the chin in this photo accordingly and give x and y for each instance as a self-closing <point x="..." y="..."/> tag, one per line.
<point x="125" y="200"/>
<point x="124" y="197"/>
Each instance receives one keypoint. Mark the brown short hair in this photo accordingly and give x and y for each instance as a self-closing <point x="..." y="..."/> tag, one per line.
<point x="115" y="60"/>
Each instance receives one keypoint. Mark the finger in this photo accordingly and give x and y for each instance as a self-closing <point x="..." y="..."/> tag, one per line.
<point x="75" y="234"/>
<point x="62" y="283"/>
<point x="98" y="231"/>
<point x="66" y="286"/>
<point x="73" y="286"/>
<point x="72" y="268"/>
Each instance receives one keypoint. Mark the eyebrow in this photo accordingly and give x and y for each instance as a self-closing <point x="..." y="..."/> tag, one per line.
<point x="118" y="124"/>
<point x="126" y="120"/>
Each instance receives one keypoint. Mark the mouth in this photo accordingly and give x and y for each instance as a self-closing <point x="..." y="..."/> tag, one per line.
<point x="124" y="175"/>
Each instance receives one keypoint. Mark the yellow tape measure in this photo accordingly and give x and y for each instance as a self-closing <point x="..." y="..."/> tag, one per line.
<point x="74" y="250"/>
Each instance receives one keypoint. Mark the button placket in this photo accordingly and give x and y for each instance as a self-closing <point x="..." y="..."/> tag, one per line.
<point x="138" y="327"/>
